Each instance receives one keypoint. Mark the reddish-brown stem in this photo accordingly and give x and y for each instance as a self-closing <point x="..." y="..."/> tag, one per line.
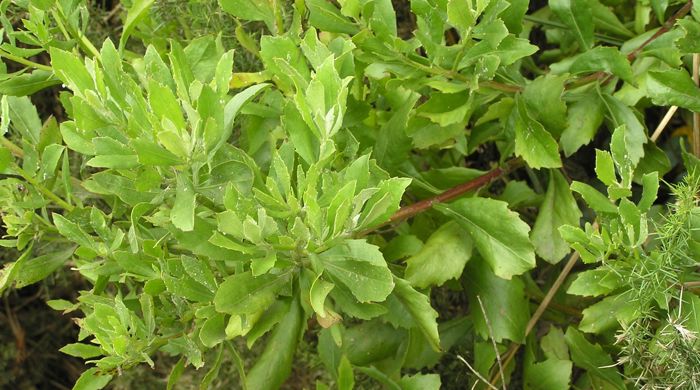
<point x="634" y="53"/>
<point x="455" y="192"/>
<point x="451" y="194"/>
<point x="664" y="29"/>
<point x="501" y="86"/>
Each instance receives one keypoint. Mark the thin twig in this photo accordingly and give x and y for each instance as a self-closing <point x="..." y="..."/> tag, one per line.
<point x="14" y="149"/>
<point x="696" y="115"/>
<point x="24" y="61"/>
<point x="634" y="53"/>
<point x="40" y="187"/>
<point x="475" y="372"/>
<point x="662" y="125"/>
<point x="550" y="294"/>
<point x="666" y="27"/>
<point x="451" y="194"/>
<point x="493" y="342"/>
<point x="510" y="354"/>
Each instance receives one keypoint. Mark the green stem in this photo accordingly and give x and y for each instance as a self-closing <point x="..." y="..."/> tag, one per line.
<point x="279" y="20"/>
<point x="458" y="76"/>
<point x="24" y="61"/>
<point x="14" y="149"/>
<point x="85" y="43"/>
<point x="41" y="188"/>
<point x="239" y="365"/>
<point x="549" y="23"/>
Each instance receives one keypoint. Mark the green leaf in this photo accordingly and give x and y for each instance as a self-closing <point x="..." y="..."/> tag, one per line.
<point x="443" y="257"/>
<point x="164" y="104"/>
<point x="551" y="374"/>
<point x="592" y="358"/>
<point x="392" y="142"/>
<point x="175" y="373"/>
<point x="5" y="159"/>
<point x="284" y="59"/>
<point x="182" y="214"/>
<point x="233" y="107"/>
<point x="595" y="200"/>
<point x="203" y="55"/>
<point x="460" y="14"/>
<point x="512" y="49"/>
<point x="690" y="43"/>
<point x="418" y="305"/>
<point x="4" y="116"/>
<point x="659" y="7"/>
<point x="251" y="10"/>
<point x="245" y="294"/>
<point x="303" y="138"/>
<point x="513" y="15"/>
<point x="625" y="149"/>
<point x="346" y="378"/>
<point x="213" y="331"/>
<point x="111" y="153"/>
<point x="420" y="382"/>
<point x="49" y="160"/>
<point x="340" y="208"/>
<point x="382" y="205"/>
<point x="504" y="301"/>
<point x="75" y="140"/>
<point x="60" y="304"/>
<point x="605" y="167"/>
<point x="361" y="268"/>
<point x="604" y="315"/>
<point x="73" y="232"/>
<point x="84" y="351"/>
<point x="213" y="372"/>
<point x="558" y="208"/>
<point x="137" y="12"/>
<point x="606" y="59"/>
<point x="371" y="341"/>
<point x="150" y="153"/>
<point x="578" y="17"/>
<point x="532" y="142"/>
<point x="326" y="17"/>
<point x="635" y="133"/>
<point x="673" y="87"/>
<point x="605" y="19"/>
<point x="318" y="293"/>
<point x="38" y="268"/>
<point x="655" y="160"/>
<point x="554" y="345"/>
<point x="70" y="69"/>
<point x="24" y="118"/>
<point x="543" y="99"/>
<point x="28" y="83"/>
<point x="135" y="264"/>
<point x="498" y="233"/>
<point x="275" y="364"/>
<point x="650" y="189"/>
<point x="91" y="379"/>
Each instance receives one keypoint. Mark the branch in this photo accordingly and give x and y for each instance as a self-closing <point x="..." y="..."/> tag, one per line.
<point x="451" y="194"/>
<point x="668" y="24"/>
<point x="696" y="115"/>
<point x="663" y="30"/>
<point x="510" y="354"/>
